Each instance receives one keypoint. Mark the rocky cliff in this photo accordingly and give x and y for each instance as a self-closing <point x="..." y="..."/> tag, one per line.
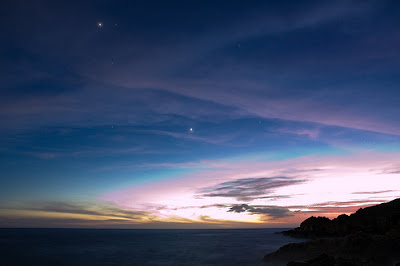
<point x="379" y="219"/>
<point x="371" y="236"/>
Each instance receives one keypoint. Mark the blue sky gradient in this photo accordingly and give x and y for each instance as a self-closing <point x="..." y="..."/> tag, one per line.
<point x="88" y="110"/>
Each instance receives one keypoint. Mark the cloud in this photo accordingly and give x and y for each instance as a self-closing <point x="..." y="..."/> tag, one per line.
<point x="204" y="222"/>
<point x="311" y="132"/>
<point x="44" y="153"/>
<point x="332" y="208"/>
<point x="248" y="189"/>
<point x="374" y="192"/>
<point x="305" y="184"/>
<point x="191" y="75"/>
<point x="51" y="214"/>
<point x="220" y="140"/>
<point x="392" y="170"/>
<point x="273" y="212"/>
<point x="96" y="209"/>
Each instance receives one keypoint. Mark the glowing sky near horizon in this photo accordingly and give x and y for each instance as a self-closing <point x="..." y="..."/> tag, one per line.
<point x="197" y="114"/>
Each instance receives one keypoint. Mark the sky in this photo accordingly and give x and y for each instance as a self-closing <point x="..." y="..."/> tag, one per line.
<point x="197" y="114"/>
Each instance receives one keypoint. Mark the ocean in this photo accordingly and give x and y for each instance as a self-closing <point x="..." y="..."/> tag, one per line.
<point x="138" y="247"/>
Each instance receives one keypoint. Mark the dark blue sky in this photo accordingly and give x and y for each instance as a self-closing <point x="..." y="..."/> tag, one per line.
<point x="87" y="110"/>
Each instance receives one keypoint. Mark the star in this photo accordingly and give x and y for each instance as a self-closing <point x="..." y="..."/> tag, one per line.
<point x="100" y="24"/>
<point x="191" y="129"/>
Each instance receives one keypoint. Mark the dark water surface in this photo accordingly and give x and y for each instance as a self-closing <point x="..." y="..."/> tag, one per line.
<point x="138" y="247"/>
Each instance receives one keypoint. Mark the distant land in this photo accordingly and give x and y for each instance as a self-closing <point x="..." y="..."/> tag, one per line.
<point x="371" y="236"/>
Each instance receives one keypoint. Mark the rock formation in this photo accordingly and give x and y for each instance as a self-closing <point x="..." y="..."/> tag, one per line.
<point x="371" y="236"/>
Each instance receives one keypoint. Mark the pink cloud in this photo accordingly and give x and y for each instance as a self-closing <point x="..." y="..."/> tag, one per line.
<point x="333" y="188"/>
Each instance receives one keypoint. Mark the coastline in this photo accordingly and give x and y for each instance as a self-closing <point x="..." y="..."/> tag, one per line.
<point x="371" y="236"/>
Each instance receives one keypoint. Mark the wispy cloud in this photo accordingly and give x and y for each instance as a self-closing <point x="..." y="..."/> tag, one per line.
<point x="256" y="190"/>
<point x="221" y="139"/>
<point x="374" y="192"/>
<point x="96" y="209"/>
<point x="392" y="170"/>
<point x="185" y="76"/>
<point x="102" y="215"/>
<point x="312" y="133"/>
<point x="333" y="208"/>
<point x="248" y="189"/>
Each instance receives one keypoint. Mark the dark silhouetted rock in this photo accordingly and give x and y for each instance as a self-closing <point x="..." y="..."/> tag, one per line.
<point x="371" y="236"/>
<point x="377" y="219"/>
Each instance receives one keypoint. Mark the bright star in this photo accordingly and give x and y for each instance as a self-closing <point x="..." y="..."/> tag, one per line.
<point x="191" y="129"/>
<point x="100" y="24"/>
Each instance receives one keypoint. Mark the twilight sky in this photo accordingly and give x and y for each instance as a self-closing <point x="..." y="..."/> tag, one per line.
<point x="197" y="114"/>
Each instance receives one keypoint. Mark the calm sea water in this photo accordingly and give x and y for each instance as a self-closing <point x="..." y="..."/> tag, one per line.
<point x="138" y="247"/>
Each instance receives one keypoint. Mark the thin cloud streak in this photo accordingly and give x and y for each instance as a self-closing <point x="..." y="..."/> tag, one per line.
<point x="248" y="189"/>
<point x="138" y="79"/>
<point x="212" y="192"/>
<point x="220" y="140"/>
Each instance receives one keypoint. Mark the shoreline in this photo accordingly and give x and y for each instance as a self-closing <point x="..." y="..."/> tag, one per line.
<point x="371" y="236"/>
